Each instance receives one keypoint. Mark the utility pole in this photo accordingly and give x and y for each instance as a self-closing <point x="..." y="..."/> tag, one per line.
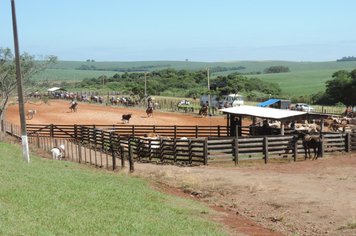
<point x="207" y="71"/>
<point x="103" y="85"/>
<point x="73" y="84"/>
<point x="145" y="88"/>
<point x="25" y="151"/>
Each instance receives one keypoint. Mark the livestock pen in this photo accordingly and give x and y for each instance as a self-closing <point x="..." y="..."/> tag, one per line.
<point x="105" y="146"/>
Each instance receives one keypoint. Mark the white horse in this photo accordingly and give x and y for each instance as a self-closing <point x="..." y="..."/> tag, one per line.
<point x="58" y="152"/>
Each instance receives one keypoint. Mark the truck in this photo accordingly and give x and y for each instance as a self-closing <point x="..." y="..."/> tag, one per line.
<point x="234" y="100"/>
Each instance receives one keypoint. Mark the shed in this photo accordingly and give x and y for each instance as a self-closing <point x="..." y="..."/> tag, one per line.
<point x="236" y="114"/>
<point x="276" y="103"/>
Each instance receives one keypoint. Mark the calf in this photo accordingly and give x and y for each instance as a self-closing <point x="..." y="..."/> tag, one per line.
<point x="126" y="118"/>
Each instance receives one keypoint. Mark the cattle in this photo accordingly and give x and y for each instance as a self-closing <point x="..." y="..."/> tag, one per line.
<point x="126" y="118"/>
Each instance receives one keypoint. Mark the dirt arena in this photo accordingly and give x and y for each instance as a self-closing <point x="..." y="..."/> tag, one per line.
<point x="296" y="198"/>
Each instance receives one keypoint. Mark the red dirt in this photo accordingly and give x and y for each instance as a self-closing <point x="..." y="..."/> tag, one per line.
<point x="296" y="198"/>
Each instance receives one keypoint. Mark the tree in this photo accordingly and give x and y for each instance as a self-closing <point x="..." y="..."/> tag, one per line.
<point x="342" y="87"/>
<point x="276" y="69"/>
<point x="8" y="79"/>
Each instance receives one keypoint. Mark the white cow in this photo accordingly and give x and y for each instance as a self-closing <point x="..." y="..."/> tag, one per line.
<point x="31" y="114"/>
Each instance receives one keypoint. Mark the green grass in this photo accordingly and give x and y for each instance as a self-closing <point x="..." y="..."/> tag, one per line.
<point x="46" y="197"/>
<point x="304" y="78"/>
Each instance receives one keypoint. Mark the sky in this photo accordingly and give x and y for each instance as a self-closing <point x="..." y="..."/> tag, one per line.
<point x="161" y="30"/>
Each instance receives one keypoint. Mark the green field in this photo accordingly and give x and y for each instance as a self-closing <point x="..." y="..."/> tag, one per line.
<point x="46" y="197"/>
<point x="304" y="78"/>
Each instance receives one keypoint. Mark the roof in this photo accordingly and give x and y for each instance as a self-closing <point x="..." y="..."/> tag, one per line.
<point x="55" y="88"/>
<point x="263" y="112"/>
<point x="268" y="102"/>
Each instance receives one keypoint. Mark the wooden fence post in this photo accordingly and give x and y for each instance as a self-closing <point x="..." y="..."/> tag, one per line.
<point x="80" y="153"/>
<point x="205" y="149"/>
<point x="347" y="142"/>
<point x="236" y="149"/>
<point x="132" y="168"/>
<point x="51" y="130"/>
<point x="122" y="157"/>
<point x="265" y="148"/>
<point x="76" y="132"/>
<point x="196" y="131"/>
<point x="175" y="132"/>
<point x="322" y="145"/>
<point x="38" y="140"/>
<point x="295" y="149"/>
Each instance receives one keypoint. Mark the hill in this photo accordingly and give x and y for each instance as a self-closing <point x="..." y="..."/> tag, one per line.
<point x="304" y="78"/>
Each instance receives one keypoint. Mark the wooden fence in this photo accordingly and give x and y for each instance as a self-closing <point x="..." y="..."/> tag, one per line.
<point x="107" y="142"/>
<point x="79" y="131"/>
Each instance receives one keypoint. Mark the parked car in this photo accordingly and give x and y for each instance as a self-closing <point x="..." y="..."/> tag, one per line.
<point x="303" y="107"/>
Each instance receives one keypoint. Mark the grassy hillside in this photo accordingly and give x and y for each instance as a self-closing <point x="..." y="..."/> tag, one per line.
<point x="304" y="78"/>
<point x="46" y="197"/>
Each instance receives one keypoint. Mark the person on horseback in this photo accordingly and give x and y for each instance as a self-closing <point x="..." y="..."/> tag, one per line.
<point x="204" y="108"/>
<point x="150" y="105"/>
<point x="73" y="104"/>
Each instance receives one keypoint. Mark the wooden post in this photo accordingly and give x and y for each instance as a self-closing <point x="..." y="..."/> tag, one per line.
<point x="265" y="148"/>
<point x="295" y="149"/>
<point x="190" y="151"/>
<point x="347" y="142"/>
<point x="80" y="152"/>
<point x="322" y="145"/>
<point x="51" y="130"/>
<point x="196" y="131"/>
<point x="236" y="149"/>
<point x="122" y="157"/>
<point x="76" y="132"/>
<point x="132" y="168"/>
<point x="205" y="149"/>
<point x="175" y="132"/>
<point x="38" y="140"/>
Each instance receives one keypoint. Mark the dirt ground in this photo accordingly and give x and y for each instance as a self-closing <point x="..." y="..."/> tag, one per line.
<point x="285" y="198"/>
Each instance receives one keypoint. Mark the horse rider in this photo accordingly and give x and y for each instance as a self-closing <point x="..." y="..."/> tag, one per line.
<point x="150" y="105"/>
<point x="73" y="104"/>
<point x="205" y="107"/>
<point x="113" y="98"/>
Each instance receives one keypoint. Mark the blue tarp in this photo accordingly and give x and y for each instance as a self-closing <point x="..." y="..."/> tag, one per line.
<point x="269" y="102"/>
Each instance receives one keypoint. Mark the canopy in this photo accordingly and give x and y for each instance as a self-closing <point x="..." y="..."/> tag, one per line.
<point x="267" y="103"/>
<point x="55" y="88"/>
<point x="266" y="113"/>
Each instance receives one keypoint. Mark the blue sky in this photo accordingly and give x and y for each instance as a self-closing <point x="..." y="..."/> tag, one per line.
<point x="206" y="31"/>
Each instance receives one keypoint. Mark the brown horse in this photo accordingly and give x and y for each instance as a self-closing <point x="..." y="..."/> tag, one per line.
<point x="311" y="142"/>
<point x="203" y="112"/>
<point x="74" y="108"/>
<point x="149" y="111"/>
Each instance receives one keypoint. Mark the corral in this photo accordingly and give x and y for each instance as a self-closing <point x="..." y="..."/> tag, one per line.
<point x="301" y="197"/>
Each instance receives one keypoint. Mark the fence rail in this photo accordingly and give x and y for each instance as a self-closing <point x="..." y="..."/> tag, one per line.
<point x="77" y="131"/>
<point x="104" y="146"/>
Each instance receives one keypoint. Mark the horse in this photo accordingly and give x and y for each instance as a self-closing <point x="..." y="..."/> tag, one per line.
<point x="74" y="107"/>
<point x="149" y="111"/>
<point x="311" y="142"/>
<point x="58" y="152"/>
<point x="203" y="112"/>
